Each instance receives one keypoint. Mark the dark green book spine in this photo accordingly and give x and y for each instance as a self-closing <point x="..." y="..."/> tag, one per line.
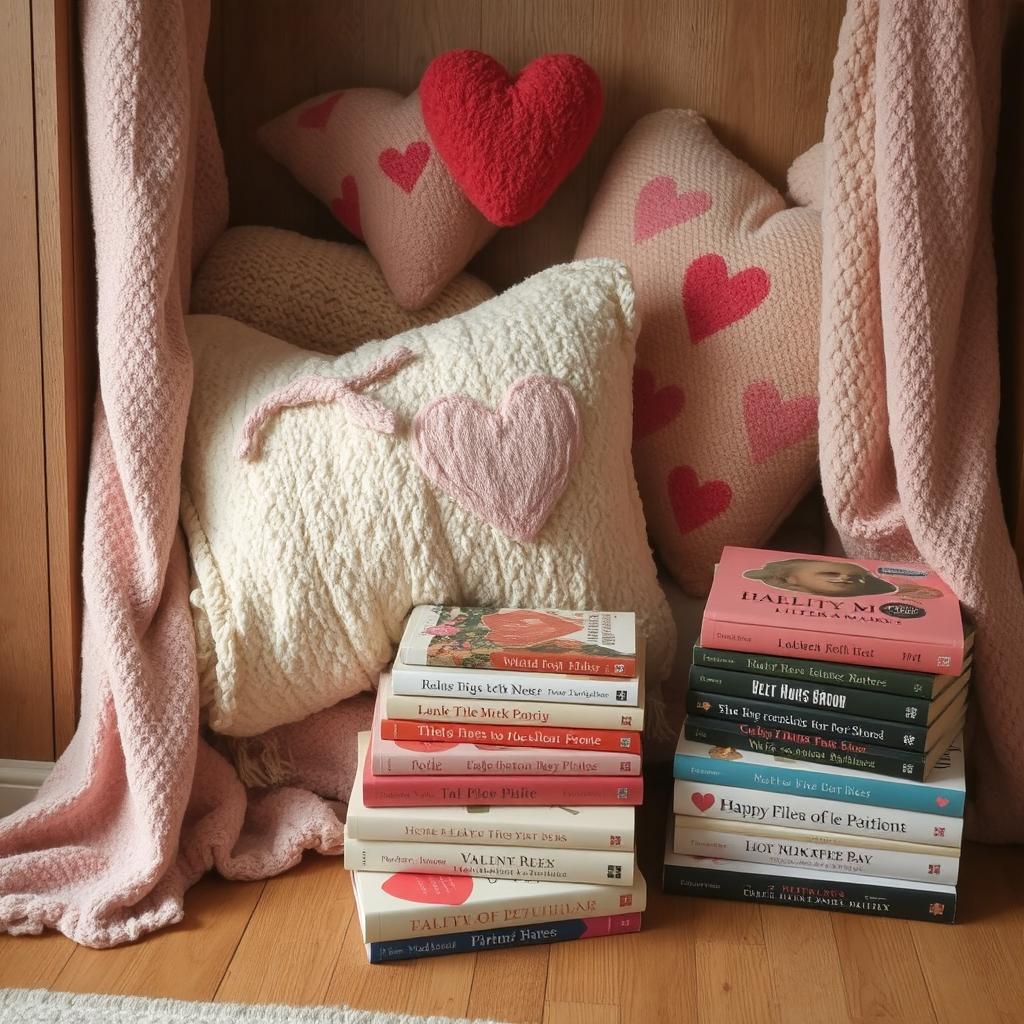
<point x="881" y="680"/>
<point x="801" y="747"/>
<point x="871" y="731"/>
<point x="820" y="894"/>
<point x="823" y="696"/>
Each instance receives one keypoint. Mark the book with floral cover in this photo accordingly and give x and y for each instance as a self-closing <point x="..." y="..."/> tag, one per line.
<point x="587" y="643"/>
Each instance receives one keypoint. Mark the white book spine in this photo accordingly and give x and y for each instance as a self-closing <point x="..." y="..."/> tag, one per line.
<point x="792" y="811"/>
<point x="412" y="828"/>
<point x="493" y="684"/>
<point x="391" y="759"/>
<point x="602" y="867"/>
<point x="835" y="858"/>
<point x="581" y="716"/>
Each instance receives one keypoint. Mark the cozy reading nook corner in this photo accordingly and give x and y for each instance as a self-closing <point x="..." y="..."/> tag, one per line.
<point x="369" y="196"/>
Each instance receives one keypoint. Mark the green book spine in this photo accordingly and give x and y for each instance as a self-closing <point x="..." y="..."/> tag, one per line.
<point x="800" y="693"/>
<point x="799" y="747"/>
<point x="858" y="677"/>
<point x="873" y="731"/>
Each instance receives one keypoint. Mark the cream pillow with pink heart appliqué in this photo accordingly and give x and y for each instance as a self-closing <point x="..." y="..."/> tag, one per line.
<point x="728" y="282"/>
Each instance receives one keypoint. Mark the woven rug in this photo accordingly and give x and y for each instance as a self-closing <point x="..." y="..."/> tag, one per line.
<point x="38" y="1006"/>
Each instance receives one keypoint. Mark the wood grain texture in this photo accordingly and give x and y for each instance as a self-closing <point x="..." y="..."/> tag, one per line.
<point x="758" y="70"/>
<point x="66" y="329"/>
<point x="26" y="727"/>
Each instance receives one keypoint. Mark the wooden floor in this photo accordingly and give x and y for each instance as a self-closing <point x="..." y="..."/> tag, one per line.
<point x="294" y="939"/>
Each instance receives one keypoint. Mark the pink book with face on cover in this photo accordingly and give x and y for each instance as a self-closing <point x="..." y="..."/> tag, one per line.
<point x="852" y="611"/>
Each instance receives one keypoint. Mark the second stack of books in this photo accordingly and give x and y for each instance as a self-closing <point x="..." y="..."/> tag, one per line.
<point x="499" y="783"/>
<point x="814" y="780"/>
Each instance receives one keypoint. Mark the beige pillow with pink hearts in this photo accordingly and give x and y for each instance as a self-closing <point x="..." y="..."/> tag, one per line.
<point x="727" y="283"/>
<point x="367" y="154"/>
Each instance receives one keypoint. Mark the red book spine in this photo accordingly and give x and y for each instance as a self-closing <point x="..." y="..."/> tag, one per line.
<point x="499" y="791"/>
<point x="876" y="652"/>
<point x="570" y="663"/>
<point x="621" y="742"/>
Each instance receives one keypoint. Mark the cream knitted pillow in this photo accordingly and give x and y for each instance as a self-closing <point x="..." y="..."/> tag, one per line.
<point x="728" y="290"/>
<point x="310" y="553"/>
<point x="326" y="296"/>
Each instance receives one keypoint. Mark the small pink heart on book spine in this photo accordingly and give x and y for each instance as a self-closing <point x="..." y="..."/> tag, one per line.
<point x="346" y="206"/>
<point x="703" y="801"/>
<point x="773" y="424"/>
<point x="712" y="300"/>
<point x="404" y="169"/>
<point x="318" y="114"/>
<point x="942" y="801"/>
<point x="659" y="207"/>
<point x="653" y="407"/>
<point x="695" y="504"/>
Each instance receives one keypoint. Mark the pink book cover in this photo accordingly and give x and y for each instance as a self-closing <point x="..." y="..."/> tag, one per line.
<point x="852" y="611"/>
<point x="418" y="757"/>
<point x="497" y="790"/>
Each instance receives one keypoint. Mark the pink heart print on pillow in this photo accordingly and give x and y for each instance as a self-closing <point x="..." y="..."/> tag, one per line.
<point x="424" y="179"/>
<point x="727" y="282"/>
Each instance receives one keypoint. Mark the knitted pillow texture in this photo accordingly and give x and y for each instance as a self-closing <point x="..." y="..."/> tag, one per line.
<point x="728" y="286"/>
<point x="483" y="459"/>
<point x="367" y="155"/>
<point x="326" y="296"/>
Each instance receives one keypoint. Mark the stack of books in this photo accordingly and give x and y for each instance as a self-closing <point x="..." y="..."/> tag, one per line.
<point x="821" y="761"/>
<point x="494" y="803"/>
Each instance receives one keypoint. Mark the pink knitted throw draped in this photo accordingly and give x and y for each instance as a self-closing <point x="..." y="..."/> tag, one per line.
<point x="909" y="362"/>
<point x="140" y="806"/>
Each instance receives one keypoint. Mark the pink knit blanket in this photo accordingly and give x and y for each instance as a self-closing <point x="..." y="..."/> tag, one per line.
<point x="909" y="361"/>
<point x="139" y="806"/>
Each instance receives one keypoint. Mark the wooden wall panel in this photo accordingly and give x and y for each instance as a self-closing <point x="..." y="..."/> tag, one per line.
<point x="26" y="702"/>
<point x="758" y="69"/>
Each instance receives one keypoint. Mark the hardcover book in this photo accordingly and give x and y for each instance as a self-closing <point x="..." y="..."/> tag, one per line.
<point x="588" y="643"/>
<point x="608" y="867"/>
<point x="923" y="686"/>
<point x="942" y="795"/>
<point x="728" y="803"/>
<point x="498" y="790"/>
<point x="798" y="887"/>
<point x="502" y="938"/>
<point x="511" y="713"/>
<point x="501" y="684"/>
<point x="404" y="905"/>
<point x="828" y="697"/>
<point x="493" y="734"/>
<point x="820" y="749"/>
<point x="578" y="828"/>
<point x="897" y="735"/>
<point x="859" y="612"/>
<point x="818" y="851"/>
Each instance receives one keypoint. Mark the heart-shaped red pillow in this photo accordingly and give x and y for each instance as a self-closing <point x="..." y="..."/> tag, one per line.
<point x="509" y="142"/>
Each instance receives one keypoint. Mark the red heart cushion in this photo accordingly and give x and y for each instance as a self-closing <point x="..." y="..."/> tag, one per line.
<point x="509" y="142"/>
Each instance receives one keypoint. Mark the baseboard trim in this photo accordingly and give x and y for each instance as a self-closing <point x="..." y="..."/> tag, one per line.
<point x="19" y="782"/>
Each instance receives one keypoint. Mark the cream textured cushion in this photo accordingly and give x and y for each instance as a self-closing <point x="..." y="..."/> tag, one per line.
<point x="309" y="555"/>
<point x="728" y="284"/>
<point x="326" y="296"/>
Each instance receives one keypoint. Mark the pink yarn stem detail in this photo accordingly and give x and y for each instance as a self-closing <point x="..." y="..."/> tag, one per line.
<point x="361" y="409"/>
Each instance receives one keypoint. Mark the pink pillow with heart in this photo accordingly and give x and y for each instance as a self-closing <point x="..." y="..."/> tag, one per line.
<point x="367" y="154"/>
<point x="728" y="286"/>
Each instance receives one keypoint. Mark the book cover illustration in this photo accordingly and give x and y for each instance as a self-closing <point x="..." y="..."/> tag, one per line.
<point x="943" y="794"/>
<point x="407" y="905"/>
<point x="589" y="643"/>
<point x="863" y="611"/>
<point x="580" y="828"/>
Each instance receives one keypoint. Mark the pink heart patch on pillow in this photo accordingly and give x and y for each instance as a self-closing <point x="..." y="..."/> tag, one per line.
<point x="728" y="292"/>
<point x="510" y="141"/>
<point x="508" y="467"/>
<point x="367" y="155"/>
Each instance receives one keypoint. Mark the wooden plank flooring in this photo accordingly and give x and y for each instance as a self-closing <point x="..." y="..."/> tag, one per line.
<point x="295" y="939"/>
